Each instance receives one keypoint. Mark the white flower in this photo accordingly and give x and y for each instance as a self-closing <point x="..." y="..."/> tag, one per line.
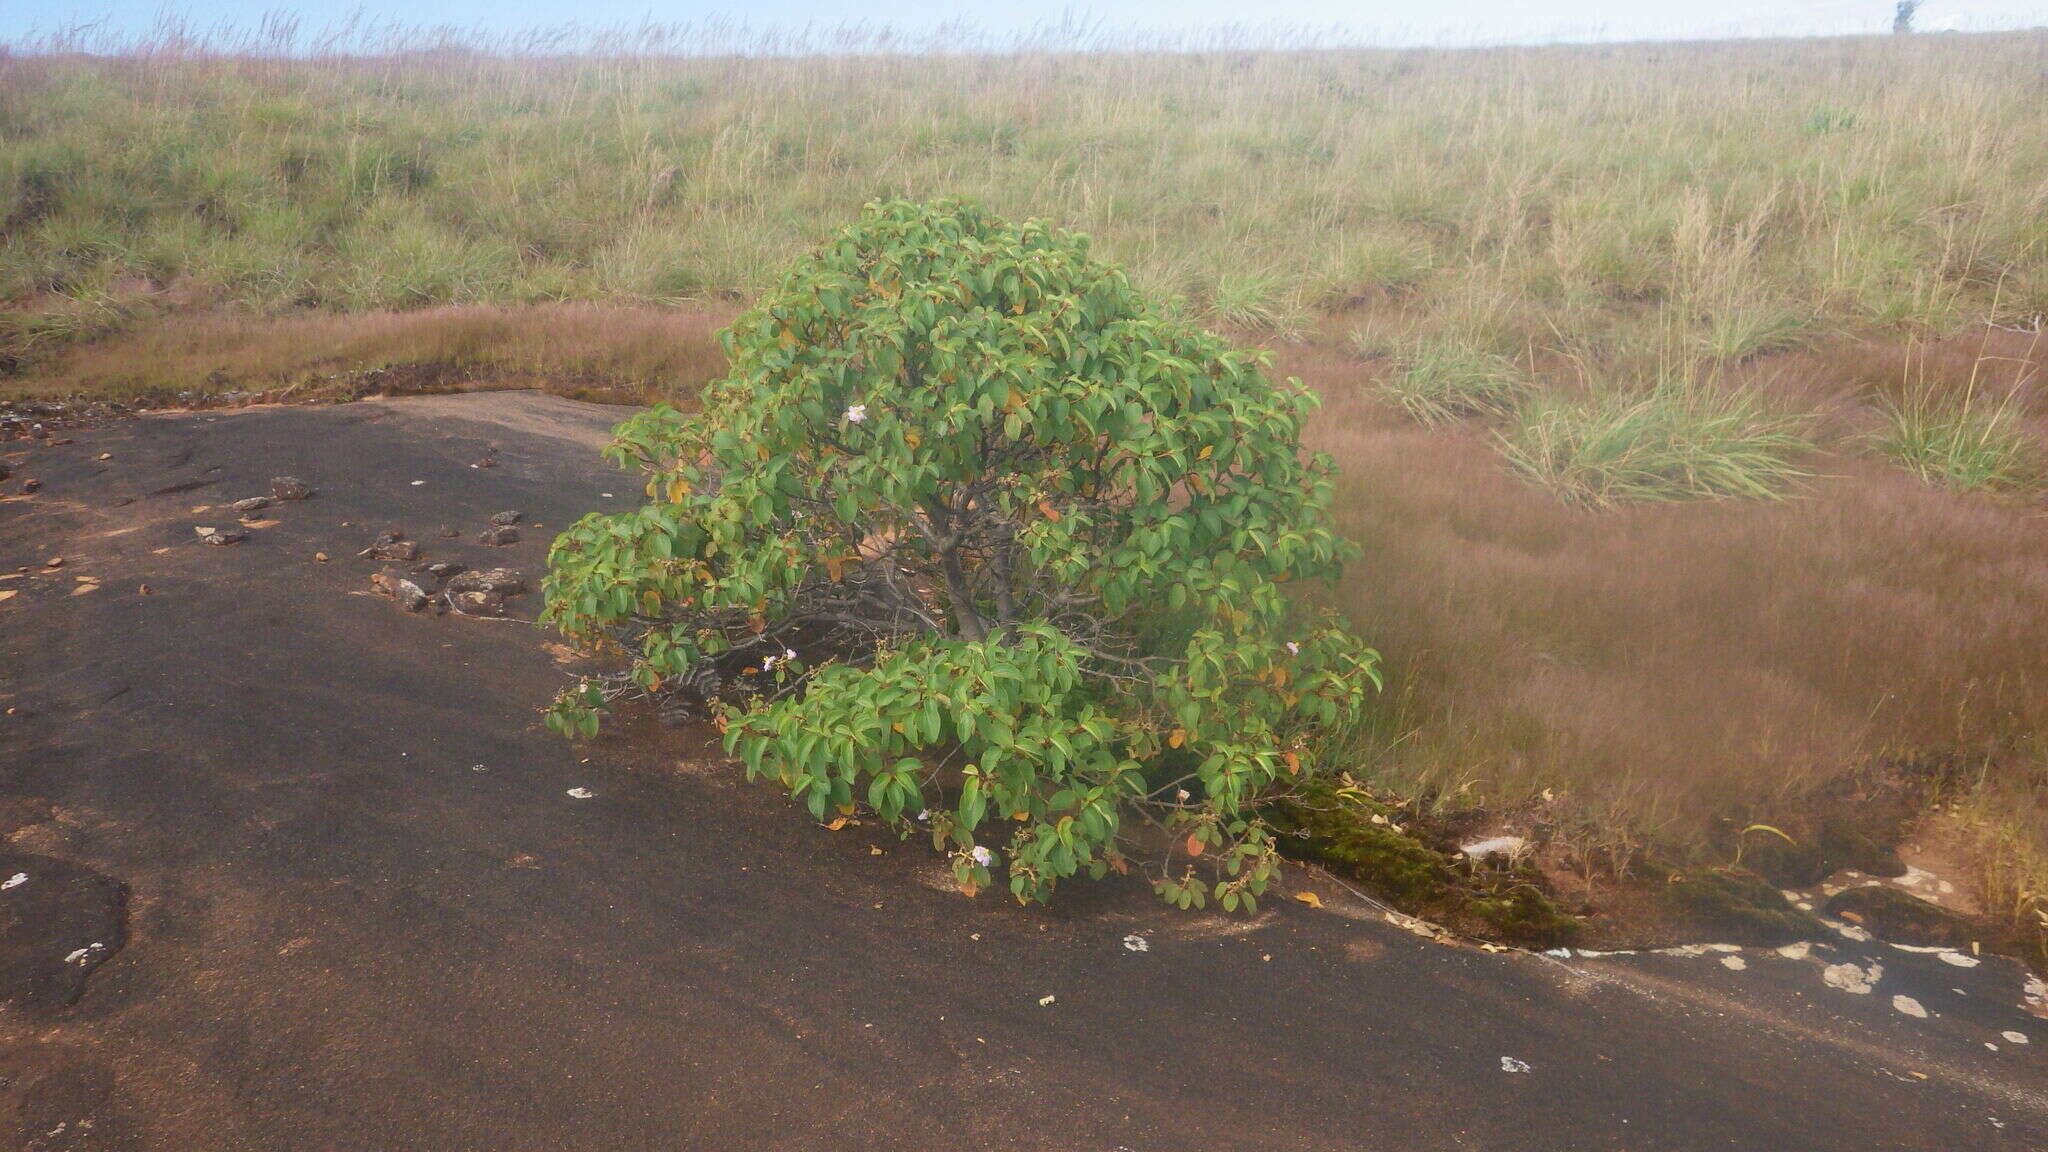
<point x="770" y="663"/>
<point x="856" y="414"/>
<point x="788" y="654"/>
<point x="1293" y="649"/>
<point x="923" y="814"/>
<point x="982" y="856"/>
<point x="1181" y="794"/>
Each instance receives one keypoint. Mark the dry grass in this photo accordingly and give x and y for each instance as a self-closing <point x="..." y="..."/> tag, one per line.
<point x="642" y="352"/>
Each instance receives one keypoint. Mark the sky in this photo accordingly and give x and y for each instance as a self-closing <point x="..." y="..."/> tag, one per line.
<point x="1383" y="22"/>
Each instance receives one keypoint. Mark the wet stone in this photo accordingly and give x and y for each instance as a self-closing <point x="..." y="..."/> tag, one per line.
<point x="289" y="488"/>
<point x="507" y="519"/>
<point x="499" y="536"/>
<point x="31" y="486"/>
<point x="221" y="538"/>
<point x="252" y="504"/>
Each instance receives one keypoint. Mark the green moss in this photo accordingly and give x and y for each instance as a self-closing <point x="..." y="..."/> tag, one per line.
<point x="1338" y="831"/>
<point x="1741" y="905"/>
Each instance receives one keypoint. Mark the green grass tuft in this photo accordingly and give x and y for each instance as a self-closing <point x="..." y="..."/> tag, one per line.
<point x="1670" y="443"/>
<point x="1445" y="382"/>
<point x="1966" y="446"/>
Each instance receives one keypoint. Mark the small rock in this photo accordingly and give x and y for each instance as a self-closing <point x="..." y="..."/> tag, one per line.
<point x="1510" y="1064"/>
<point x="476" y="602"/>
<point x="391" y="546"/>
<point x="507" y="518"/>
<point x="104" y="456"/>
<point x="31" y="486"/>
<point x="410" y="596"/>
<point x="503" y="581"/>
<point x="252" y="504"/>
<point x="320" y="556"/>
<point x="223" y="539"/>
<point x="38" y="432"/>
<point x="54" y="562"/>
<point x="580" y="793"/>
<point x="289" y="488"/>
<point x="499" y="536"/>
<point x="437" y="574"/>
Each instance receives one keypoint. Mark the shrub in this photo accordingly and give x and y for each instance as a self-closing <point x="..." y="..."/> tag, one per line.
<point x="1445" y="382"/>
<point x="968" y="516"/>
<point x="1666" y="444"/>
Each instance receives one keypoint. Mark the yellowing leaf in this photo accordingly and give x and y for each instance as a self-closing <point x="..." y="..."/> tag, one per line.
<point x="837" y="823"/>
<point x="1206" y="452"/>
<point x="1310" y="899"/>
<point x="1178" y="737"/>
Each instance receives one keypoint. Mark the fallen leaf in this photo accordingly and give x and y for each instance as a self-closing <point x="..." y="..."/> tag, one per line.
<point x="1045" y="1001"/>
<point x="837" y="823"/>
<point x="1851" y="917"/>
<point x="197" y="509"/>
<point x="1310" y="899"/>
<point x="10" y="594"/>
<point x="145" y="590"/>
<point x="259" y="523"/>
<point x="82" y="589"/>
<point x="106" y="456"/>
<point x="874" y="851"/>
<point x="1176" y="738"/>
<point x="320" y="556"/>
<point x="54" y="562"/>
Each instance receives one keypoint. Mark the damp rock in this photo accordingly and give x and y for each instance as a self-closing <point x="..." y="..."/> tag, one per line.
<point x="1899" y="917"/>
<point x="31" y="486"/>
<point x="506" y="519"/>
<point x="221" y="537"/>
<point x="252" y="504"/>
<point x="499" y="536"/>
<point x="503" y="581"/>
<point x="288" y="488"/>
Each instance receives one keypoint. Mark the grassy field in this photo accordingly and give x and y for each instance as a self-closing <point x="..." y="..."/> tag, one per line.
<point x="1689" y="397"/>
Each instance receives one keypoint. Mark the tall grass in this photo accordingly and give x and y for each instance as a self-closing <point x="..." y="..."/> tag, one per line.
<point x="1670" y="443"/>
<point x="1442" y="382"/>
<point x="1968" y="444"/>
<point x="1742" y="196"/>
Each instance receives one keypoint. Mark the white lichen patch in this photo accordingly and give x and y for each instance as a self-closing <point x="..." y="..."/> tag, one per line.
<point x="1797" y="951"/>
<point x="1510" y="1064"/>
<point x="1508" y="846"/>
<point x="2015" y="1037"/>
<point x="1734" y="963"/>
<point x="1909" y="1006"/>
<point x="1959" y="960"/>
<point x="1852" y="977"/>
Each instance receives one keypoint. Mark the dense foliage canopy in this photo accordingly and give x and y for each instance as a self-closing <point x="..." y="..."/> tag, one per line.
<point x="969" y="519"/>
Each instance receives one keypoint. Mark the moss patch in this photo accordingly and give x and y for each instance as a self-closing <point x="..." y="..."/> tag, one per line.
<point x="1336" y="829"/>
<point x="1738" y="905"/>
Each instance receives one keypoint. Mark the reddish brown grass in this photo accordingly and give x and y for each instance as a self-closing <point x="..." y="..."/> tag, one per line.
<point x="1667" y="664"/>
<point x="641" y="351"/>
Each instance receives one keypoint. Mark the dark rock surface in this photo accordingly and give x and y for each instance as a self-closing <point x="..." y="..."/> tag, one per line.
<point x="342" y="935"/>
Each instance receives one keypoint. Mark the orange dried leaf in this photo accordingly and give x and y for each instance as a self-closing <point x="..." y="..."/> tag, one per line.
<point x="1310" y="899"/>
